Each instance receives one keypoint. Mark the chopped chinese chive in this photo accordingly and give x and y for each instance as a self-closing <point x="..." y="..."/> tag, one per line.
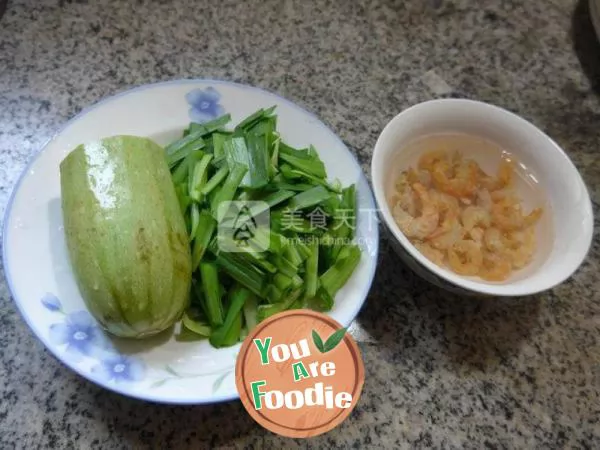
<point x="275" y="154"/>
<point x="251" y="151"/>
<point x="284" y="266"/>
<point x="204" y="232"/>
<point x="300" y="187"/>
<point x="234" y="334"/>
<point x="297" y="282"/>
<point x="198" y="178"/>
<point x="266" y="311"/>
<point x="219" y="144"/>
<point x="180" y="154"/>
<point x="265" y="126"/>
<point x="294" y="262"/>
<point x="212" y="292"/>
<point x="227" y="191"/>
<point x="309" y="198"/>
<point x="310" y="166"/>
<point x="318" y="181"/>
<point x="337" y="275"/>
<point x="195" y="220"/>
<point x="326" y="245"/>
<point x="202" y="129"/>
<point x="349" y="200"/>
<point x="182" y="171"/>
<point x="302" y="248"/>
<point x="276" y="198"/>
<point x="182" y="197"/>
<point x="266" y="265"/>
<point x="296" y="225"/>
<point x="257" y="259"/>
<point x="292" y="254"/>
<point x="215" y="180"/>
<point x="282" y="282"/>
<point x="229" y="333"/>
<point x="196" y="326"/>
<point x="190" y="141"/>
<point x="250" y="312"/>
<point x="345" y="221"/>
<point x="286" y="149"/>
<point x="275" y="243"/>
<point x="331" y="206"/>
<point x="240" y="270"/>
<point x="273" y="294"/>
<point x="336" y="186"/>
<point x="264" y="204"/>
<point x="236" y="151"/>
<point x="249" y="121"/>
<point x="288" y="173"/>
<point x="197" y="295"/>
<point x="311" y="277"/>
<point x="323" y="301"/>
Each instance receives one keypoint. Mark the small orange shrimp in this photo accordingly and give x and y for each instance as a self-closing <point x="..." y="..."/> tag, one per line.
<point x="503" y="179"/>
<point x="492" y="239"/>
<point x="422" y="226"/>
<point x="434" y="255"/>
<point x="465" y="258"/>
<point x="473" y="216"/>
<point x="464" y="182"/>
<point x="422" y="176"/>
<point x="509" y="217"/>
<point x="429" y="159"/>
<point x="495" y="267"/>
<point x="505" y="195"/>
<point x="505" y="173"/>
<point x="447" y="234"/>
<point x="532" y="218"/>
<point x="520" y="247"/>
<point x="484" y="199"/>
<point x="476" y="234"/>
<point x="402" y="182"/>
<point x="406" y="199"/>
<point x="412" y="176"/>
<point x="447" y="205"/>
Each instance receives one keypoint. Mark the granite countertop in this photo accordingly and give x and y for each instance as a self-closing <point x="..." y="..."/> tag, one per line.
<point x="442" y="371"/>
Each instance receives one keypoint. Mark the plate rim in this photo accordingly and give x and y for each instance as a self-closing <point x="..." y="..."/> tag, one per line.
<point x="122" y="93"/>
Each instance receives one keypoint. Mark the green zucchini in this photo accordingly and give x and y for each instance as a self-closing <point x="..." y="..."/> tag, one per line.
<point x="126" y="235"/>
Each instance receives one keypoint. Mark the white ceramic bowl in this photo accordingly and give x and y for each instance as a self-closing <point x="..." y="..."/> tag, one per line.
<point x="568" y="210"/>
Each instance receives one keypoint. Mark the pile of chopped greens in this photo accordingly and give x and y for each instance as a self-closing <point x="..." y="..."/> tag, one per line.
<point x="299" y="258"/>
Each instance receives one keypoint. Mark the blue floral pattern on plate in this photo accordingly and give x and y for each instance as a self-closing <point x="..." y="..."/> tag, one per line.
<point x="204" y="104"/>
<point x="119" y="368"/>
<point x="51" y="302"/>
<point x="84" y="339"/>
<point x="81" y="335"/>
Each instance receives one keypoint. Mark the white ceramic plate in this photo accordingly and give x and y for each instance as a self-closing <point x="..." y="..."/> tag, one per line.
<point x="40" y="277"/>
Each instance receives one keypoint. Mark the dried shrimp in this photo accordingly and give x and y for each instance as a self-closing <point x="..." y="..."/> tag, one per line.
<point x="462" y="218"/>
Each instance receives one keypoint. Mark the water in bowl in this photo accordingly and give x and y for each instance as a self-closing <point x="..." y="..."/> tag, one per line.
<point x="488" y="155"/>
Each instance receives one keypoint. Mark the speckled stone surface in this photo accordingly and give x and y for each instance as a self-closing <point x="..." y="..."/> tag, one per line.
<point x="442" y="372"/>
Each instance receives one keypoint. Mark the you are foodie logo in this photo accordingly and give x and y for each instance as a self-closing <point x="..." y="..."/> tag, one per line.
<point x="299" y="374"/>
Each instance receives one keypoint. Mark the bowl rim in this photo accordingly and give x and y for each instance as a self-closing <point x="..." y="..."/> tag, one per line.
<point x="501" y="290"/>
